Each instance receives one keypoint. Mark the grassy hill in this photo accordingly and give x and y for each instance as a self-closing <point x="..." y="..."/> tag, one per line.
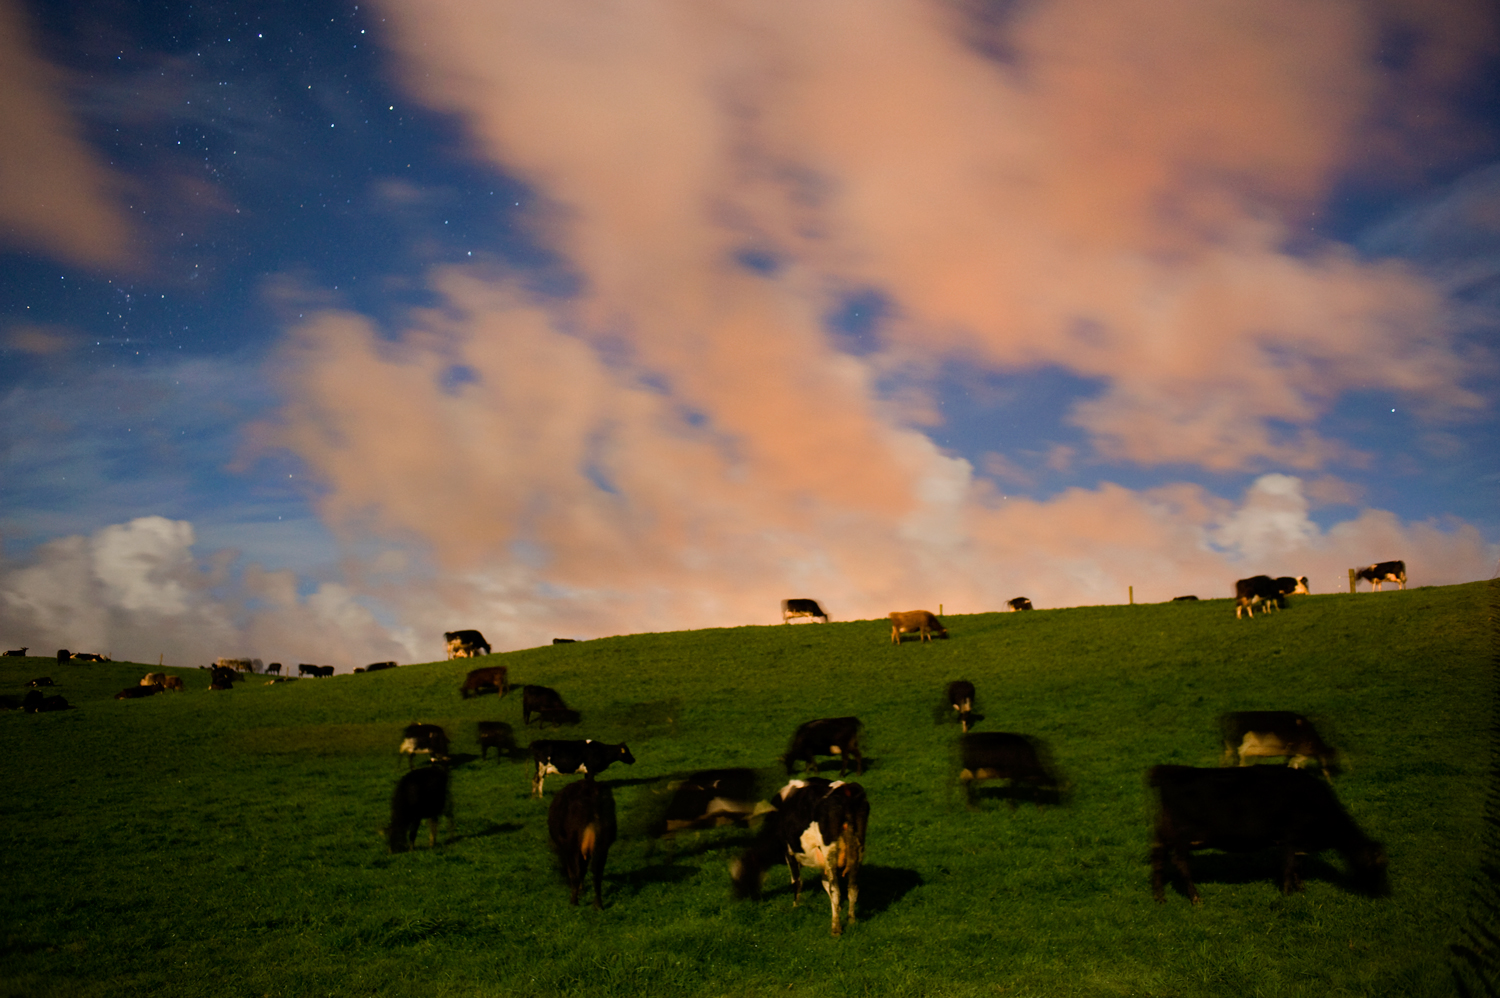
<point x="224" y="843"/>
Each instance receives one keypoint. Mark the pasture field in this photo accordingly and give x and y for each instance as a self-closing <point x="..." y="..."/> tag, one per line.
<point x="224" y="843"/>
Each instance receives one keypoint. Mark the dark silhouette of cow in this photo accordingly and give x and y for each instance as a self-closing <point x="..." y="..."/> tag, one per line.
<point x="581" y="824"/>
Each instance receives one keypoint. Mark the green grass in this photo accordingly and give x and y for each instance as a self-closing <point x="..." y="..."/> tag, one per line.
<point x="224" y="843"/>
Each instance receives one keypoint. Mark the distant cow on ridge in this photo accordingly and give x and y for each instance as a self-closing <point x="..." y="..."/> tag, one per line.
<point x="1383" y="571"/>
<point x="802" y="608"/>
<point x="923" y="622"/>
<point x="465" y="644"/>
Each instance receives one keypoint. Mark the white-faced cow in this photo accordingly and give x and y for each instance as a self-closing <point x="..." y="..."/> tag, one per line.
<point x="421" y="795"/>
<point x="492" y="678"/>
<point x="998" y="755"/>
<point x="827" y="736"/>
<point x="1272" y="734"/>
<point x="539" y="699"/>
<point x="465" y="644"/>
<point x="818" y="824"/>
<point x="425" y="738"/>
<point x="1255" y="808"/>
<point x="566" y="757"/>
<point x="581" y="824"/>
<point x="922" y="622"/>
<point x="1260" y="589"/>
<point x="802" y="608"/>
<point x="961" y="699"/>
<point x="1019" y="603"/>
<point x="1293" y="585"/>
<point x="1383" y="571"/>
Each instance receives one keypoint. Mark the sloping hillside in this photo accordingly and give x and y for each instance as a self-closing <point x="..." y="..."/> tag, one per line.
<point x="225" y="842"/>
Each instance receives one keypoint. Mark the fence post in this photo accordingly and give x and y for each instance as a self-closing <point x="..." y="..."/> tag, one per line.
<point x="1351" y="580"/>
<point x="1132" y="595"/>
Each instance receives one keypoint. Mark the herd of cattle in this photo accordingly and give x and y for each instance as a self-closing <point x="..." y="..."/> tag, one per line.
<point x="818" y="823"/>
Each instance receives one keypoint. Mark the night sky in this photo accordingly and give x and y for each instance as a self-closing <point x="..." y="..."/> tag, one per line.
<point x="327" y="328"/>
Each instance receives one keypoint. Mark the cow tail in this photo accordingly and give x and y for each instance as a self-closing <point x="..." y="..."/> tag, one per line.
<point x="587" y="840"/>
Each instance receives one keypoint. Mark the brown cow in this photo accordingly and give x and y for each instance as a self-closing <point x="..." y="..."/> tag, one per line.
<point x="480" y="681"/>
<point x="173" y="683"/>
<point x="922" y="621"/>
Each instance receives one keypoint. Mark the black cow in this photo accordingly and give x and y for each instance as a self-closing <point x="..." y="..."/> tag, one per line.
<point x="63" y="655"/>
<point x="535" y="699"/>
<point x="581" y="824"/>
<point x="564" y="758"/>
<point x="465" y="644"/>
<point x="307" y="670"/>
<point x="709" y="799"/>
<point x="1257" y="589"/>
<point x="558" y="718"/>
<point x="274" y="669"/>
<point x="1019" y="603"/>
<point x="802" y="608"/>
<point x="1383" y="571"/>
<point x="17" y="652"/>
<point x="565" y="641"/>
<point x="1271" y="733"/>
<point x="496" y="735"/>
<point x="829" y="736"/>
<point x="35" y="703"/>
<point x="378" y="666"/>
<point x="41" y="681"/>
<point x="818" y="824"/>
<point x="998" y="755"/>
<point x="1184" y="599"/>
<point x="1259" y="807"/>
<point x="427" y="738"/>
<point x="137" y="692"/>
<point x="222" y="678"/>
<point x="492" y="678"/>
<point x="421" y="795"/>
<point x="961" y="699"/>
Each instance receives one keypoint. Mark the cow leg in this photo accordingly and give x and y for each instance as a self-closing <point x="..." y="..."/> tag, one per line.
<point x="1180" y="860"/>
<point x="796" y="870"/>
<point x="835" y="899"/>
<point x="1158" y="860"/>
<point x="859" y="761"/>
<point x="1290" y="880"/>
<point x="536" y="781"/>
<point x="843" y="764"/>
<point x="600" y="854"/>
<point x="432" y="826"/>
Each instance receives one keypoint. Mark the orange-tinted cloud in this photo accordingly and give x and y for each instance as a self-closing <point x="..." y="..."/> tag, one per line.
<point x="55" y="197"/>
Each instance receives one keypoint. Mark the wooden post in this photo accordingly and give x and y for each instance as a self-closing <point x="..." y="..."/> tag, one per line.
<point x="1351" y="580"/>
<point x="940" y="609"/>
<point x="1132" y="595"/>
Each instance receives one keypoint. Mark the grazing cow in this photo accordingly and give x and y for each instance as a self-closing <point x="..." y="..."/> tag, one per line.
<point x="307" y="670"/>
<point x="496" y="735"/>
<point x="581" y="824"/>
<point x="916" y="620"/>
<point x="173" y="683"/>
<point x="17" y="652"/>
<point x="961" y="699"/>
<point x="558" y="718"/>
<point x="484" y="680"/>
<point x="427" y="738"/>
<point x="221" y="679"/>
<point x="564" y="758"/>
<point x="802" y="608"/>
<point x="85" y="656"/>
<point x="154" y="679"/>
<point x="421" y="795"/>
<point x="1184" y="599"/>
<point x="816" y="824"/>
<point x="535" y="699"/>
<point x="1019" y="603"/>
<point x="137" y="692"/>
<point x="63" y="655"/>
<point x="1383" y="571"/>
<point x="709" y="799"/>
<point x="322" y="671"/>
<point x="565" y="641"/>
<point x="1271" y="733"/>
<point x="1246" y="810"/>
<point x="1257" y="589"/>
<point x="828" y="736"/>
<point x="35" y="703"/>
<point x="41" y="681"/>
<point x="274" y="669"/>
<point x="378" y="666"/>
<point x="996" y="755"/>
<point x="1293" y="585"/>
<point x="465" y="644"/>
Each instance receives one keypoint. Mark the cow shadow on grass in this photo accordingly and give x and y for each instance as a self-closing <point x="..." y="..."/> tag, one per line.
<point x="490" y="828"/>
<point x="704" y="841"/>
<point x="1016" y="795"/>
<point x="882" y="886"/>
<point x="1264" y="867"/>
<point x="634" y="881"/>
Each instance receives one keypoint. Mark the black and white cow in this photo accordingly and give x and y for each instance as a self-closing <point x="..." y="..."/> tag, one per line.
<point x="1293" y="585"/>
<point x="999" y="755"/>
<point x="961" y="699"/>
<point x="581" y="824"/>
<point x="802" y="608"/>
<point x="816" y="823"/>
<point x="1255" y="808"/>
<point x="1383" y="571"/>
<point x="1019" y="603"/>
<point x="428" y="738"/>
<point x="708" y="799"/>
<point x="496" y="735"/>
<point x="923" y="622"/>
<point x="565" y="757"/>
<point x="827" y="736"/>
<point x="421" y="795"/>
<point x="465" y="644"/>
<point x="1274" y="733"/>
<point x="1257" y="589"/>
<point x="536" y="699"/>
